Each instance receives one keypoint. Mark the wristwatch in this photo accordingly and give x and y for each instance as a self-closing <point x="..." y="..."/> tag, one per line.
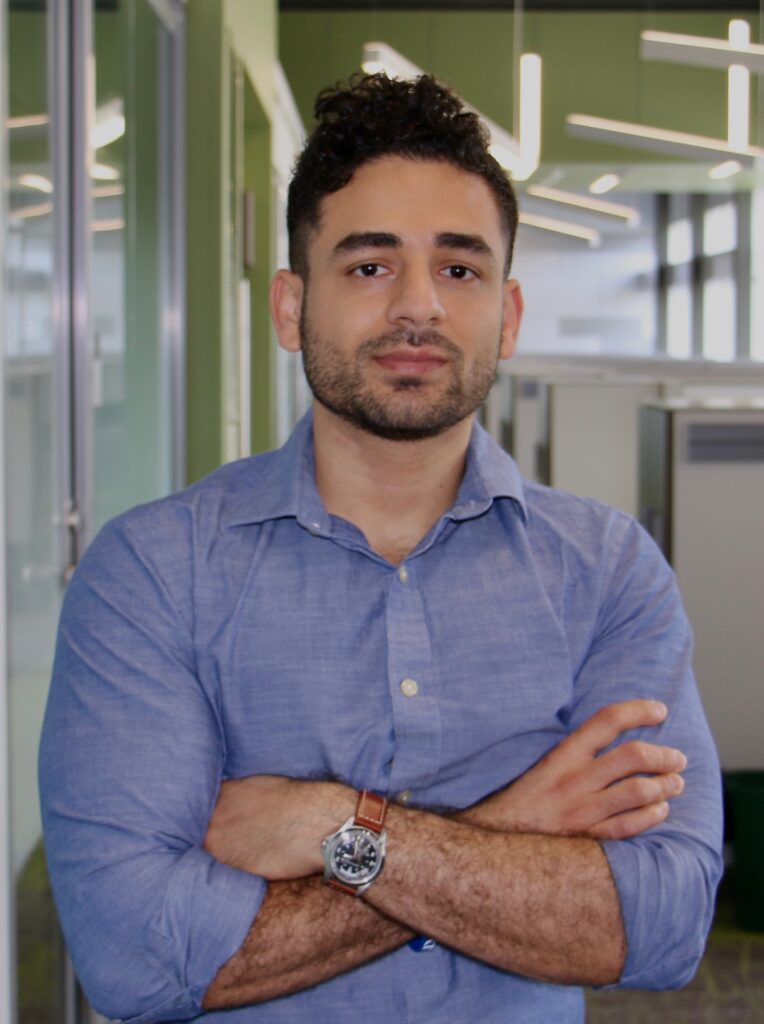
<point x="355" y="853"/>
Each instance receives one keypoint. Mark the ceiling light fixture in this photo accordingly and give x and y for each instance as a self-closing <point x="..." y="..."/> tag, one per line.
<point x="605" y="183"/>
<point x="726" y="169"/>
<point x="30" y="121"/>
<point x="529" y="122"/>
<point x="39" y="210"/>
<point x="108" y="191"/>
<point x="643" y="136"/>
<point x="562" y="227"/>
<point x="557" y="195"/>
<point x="520" y="156"/>
<point x="677" y="48"/>
<point x="104" y="172"/>
<point x="116" y="224"/>
<point x="109" y="124"/>
<point x="738" y="89"/>
<point x="36" y="181"/>
<point x="731" y="54"/>
<point x="379" y="58"/>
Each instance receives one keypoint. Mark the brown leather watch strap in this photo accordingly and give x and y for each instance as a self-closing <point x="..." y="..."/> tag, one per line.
<point x="335" y="883"/>
<point x="370" y="811"/>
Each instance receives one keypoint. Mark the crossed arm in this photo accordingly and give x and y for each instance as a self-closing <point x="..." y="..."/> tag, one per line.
<point x="519" y="880"/>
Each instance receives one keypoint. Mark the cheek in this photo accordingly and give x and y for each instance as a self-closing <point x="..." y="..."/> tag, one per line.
<point x="337" y="315"/>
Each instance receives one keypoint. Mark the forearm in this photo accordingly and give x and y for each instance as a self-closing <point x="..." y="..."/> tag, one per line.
<point x="486" y="882"/>
<point x="304" y="933"/>
<point x="545" y="907"/>
<point x="541" y="906"/>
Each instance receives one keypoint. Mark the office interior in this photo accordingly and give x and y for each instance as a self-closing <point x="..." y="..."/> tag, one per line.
<point x="145" y="152"/>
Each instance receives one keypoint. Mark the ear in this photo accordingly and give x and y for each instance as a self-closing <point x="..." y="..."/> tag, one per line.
<point x="286" y="304"/>
<point x="513" y="315"/>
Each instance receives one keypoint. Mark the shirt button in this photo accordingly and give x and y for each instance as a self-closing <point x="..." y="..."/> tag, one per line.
<point x="403" y="574"/>
<point x="404" y="797"/>
<point x="409" y="687"/>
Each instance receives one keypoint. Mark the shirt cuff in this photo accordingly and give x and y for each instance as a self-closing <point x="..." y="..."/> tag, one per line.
<point x="207" y="913"/>
<point x="667" y="900"/>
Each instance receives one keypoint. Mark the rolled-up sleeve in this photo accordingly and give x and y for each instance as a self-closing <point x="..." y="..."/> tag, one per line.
<point x="667" y="877"/>
<point x="130" y="766"/>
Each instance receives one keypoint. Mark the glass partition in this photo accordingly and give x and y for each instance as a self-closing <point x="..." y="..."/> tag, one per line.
<point x="36" y="553"/>
<point x="92" y="338"/>
<point x="131" y="384"/>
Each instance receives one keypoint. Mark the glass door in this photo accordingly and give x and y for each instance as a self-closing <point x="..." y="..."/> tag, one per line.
<point x="130" y="408"/>
<point x="36" y="480"/>
<point x="91" y="302"/>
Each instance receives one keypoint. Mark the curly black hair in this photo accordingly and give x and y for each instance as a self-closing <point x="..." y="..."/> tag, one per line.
<point x="374" y="116"/>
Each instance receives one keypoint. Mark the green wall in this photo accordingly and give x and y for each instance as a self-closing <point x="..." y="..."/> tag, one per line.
<point x="591" y="65"/>
<point x="219" y="32"/>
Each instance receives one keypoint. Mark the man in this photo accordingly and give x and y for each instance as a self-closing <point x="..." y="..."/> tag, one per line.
<point x="380" y="610"/>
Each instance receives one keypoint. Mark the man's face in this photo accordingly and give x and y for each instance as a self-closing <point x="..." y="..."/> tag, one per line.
<point x="406" y="310"/>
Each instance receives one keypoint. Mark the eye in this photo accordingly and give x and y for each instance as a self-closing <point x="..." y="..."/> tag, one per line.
<point x="459" y="273"/>
<point x="368" y="270"/>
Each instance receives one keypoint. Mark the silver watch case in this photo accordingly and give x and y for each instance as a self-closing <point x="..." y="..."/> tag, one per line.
<point x="354" y="855"/>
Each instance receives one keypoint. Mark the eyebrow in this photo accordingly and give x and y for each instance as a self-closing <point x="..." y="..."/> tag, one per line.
<point x="357" y="240"/>
<point x="367" y="240"/>
<point x="468" y="243"/>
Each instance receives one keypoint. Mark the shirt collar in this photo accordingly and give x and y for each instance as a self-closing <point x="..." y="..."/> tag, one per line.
<point x="284" y="483"/>
<point x="489" y="474"/>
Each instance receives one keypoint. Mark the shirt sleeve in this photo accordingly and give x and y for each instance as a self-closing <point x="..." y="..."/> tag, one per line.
<point x="130" y="767"/>
<point x="667" y="877"/>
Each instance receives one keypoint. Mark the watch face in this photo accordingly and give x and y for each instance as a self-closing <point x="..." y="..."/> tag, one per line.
<point x="356" y="856"/>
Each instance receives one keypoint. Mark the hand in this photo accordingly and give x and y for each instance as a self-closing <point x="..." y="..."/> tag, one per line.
<point x="273" y="826"/>
<point x="572" y="791"/>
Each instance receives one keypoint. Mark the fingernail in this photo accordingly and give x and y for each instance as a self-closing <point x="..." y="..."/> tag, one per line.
<point x="660" y="708"/>
<point x="680" y="761"/>
<point x="677" y="783"/>
<point x="662" y="809"/>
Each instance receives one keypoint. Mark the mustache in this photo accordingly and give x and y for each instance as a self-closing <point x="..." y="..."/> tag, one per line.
<point x="398" y="338"/>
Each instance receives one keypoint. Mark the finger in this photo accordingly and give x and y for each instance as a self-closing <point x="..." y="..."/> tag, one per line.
<point x="631" y="823"/>
<point x="637" y="757"/>
<point x="609" y="722"/>
<point x="635" y="793"/>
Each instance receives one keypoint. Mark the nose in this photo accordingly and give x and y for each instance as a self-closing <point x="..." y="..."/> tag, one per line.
<point x="415" y="301"/>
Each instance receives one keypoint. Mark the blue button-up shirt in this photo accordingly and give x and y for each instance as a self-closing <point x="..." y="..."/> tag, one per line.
<point x="237" y="628"/>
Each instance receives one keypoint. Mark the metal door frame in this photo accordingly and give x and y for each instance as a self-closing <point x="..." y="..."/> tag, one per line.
<point x="7" y="901"/>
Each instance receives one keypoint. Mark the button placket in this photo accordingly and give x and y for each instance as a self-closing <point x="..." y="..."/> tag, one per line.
<point x="416" y="712"/>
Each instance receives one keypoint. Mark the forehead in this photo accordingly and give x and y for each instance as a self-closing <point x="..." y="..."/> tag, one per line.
<point x="415" y="199"/>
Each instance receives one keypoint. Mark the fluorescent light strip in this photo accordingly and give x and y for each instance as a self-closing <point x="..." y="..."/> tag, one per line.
<point x="104" y="172"/>
<point x="36" y="181"/>
<point x="643" y="136"/>
<point x="529" y="127"/>
<point x="380" y="57"/>
<point x="108" y="191"/>
<point x="557" y="195"/>
<point x="117" y="224"/>
<point x="39" y="210"/>
<point x="31" y="121"/>
<point x="604" y="183"/>
<point x="738" y="89"/>
<point x="725" y="170"/>
<point x="677" y="48"/>
<point x="518" y="156"/>
<point x="562" y="227"/>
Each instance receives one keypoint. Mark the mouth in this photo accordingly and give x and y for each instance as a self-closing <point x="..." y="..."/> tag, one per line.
<point x="411" y="362"/>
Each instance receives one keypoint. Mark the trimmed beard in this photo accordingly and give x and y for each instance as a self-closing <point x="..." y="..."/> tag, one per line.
<point x="338" y="383"/>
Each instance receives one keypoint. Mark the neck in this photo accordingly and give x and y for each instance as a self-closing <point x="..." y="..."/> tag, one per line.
<point x="393" y="491"/>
